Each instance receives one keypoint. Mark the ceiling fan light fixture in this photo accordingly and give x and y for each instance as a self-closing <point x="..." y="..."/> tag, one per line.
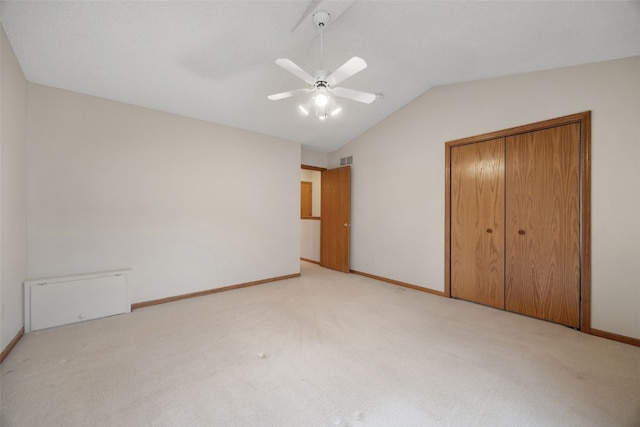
<point x="323" y="84"/>
<point x="321" y="99"/>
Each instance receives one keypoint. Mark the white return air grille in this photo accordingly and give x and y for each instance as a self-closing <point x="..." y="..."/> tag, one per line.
<point x="344" y="161"/>
<point x="62" y="300"/>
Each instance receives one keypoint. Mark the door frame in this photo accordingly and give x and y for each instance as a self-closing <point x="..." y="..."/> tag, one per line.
<point x="584" y="119"/>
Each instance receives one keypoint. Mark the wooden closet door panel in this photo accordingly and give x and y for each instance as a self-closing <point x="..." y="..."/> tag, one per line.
<point x="477" y="222"/>
<point x="543" y="224"/>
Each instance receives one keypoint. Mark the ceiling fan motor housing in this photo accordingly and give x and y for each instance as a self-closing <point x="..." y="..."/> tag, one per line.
<point x="321" y="79"/>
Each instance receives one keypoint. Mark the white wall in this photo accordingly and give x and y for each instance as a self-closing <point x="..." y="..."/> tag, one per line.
<point x="187" y="205"/>
<point x="398" y="176"/>
<point x="13" y="116"/>
<point x="310" y="239"/>
<point x="313" y="158"/>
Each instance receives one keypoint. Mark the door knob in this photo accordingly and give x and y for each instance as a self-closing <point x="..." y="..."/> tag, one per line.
<point x="345" y="224"/>
<point x="489" y="230"/>
<point x="521" y="232"/>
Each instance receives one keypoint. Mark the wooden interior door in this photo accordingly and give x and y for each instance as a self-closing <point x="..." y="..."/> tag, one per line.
<point x="306" y="194"/>
<point x="543" y="224"/>
<point x="477" y="222"/>
<point x="335" y="202"/>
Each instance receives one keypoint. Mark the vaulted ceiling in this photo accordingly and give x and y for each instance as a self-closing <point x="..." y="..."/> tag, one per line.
<point x="215" y="60"/>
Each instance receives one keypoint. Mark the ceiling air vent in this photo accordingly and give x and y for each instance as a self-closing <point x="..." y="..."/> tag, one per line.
<point x="346" y="161"/>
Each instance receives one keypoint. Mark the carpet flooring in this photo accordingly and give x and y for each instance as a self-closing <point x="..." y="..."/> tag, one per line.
<point x="324" y="349"/>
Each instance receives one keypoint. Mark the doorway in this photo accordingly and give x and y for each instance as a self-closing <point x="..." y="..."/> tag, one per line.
<point x="325" y="236"/>
<point x="310" y="221"/>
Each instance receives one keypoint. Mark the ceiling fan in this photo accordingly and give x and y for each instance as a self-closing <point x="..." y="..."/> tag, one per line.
<point x="323" y="84"/>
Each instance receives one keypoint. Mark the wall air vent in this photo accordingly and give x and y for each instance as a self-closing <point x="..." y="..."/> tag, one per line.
<point x="346" y="161"/>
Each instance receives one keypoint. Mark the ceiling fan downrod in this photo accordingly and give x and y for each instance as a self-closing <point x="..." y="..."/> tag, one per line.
<point x="321" y="19"/>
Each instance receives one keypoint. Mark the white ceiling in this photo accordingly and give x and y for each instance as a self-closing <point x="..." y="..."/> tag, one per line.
<point x="214" y="60"/>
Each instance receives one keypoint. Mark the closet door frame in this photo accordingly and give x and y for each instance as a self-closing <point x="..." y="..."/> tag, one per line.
<point x="584" y="119"/>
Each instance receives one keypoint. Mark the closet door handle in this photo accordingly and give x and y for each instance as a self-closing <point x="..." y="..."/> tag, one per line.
<point x="489" y="230"/>
<point x="521" y="232"/>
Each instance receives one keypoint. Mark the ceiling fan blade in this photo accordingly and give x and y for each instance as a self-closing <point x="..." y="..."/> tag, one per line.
<point x="284" y="95"/>
<point x="354" y="95"/>
<point x="346" y="70"/>
<point x="288" y="65"/>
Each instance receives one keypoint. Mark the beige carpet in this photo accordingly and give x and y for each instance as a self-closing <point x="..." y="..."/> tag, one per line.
<point x="326" y="349"/>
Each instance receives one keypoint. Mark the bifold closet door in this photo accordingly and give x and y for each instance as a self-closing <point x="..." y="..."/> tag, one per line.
<point x="543" y="224"/>
<point x="477" y="222"/>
